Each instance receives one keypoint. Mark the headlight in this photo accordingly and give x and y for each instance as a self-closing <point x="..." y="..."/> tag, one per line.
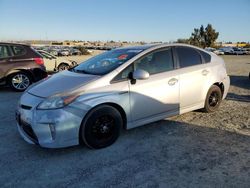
<point x="55" y="102"/>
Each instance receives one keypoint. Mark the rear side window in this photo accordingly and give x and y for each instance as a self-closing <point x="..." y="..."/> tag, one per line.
<point x="18" y="50"/>
<point x="188" y="57"/>
<point x="206" y="56"/>
<point x="4" y="52"/>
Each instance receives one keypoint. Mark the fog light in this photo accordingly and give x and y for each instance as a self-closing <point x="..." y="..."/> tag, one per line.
<point x="53" y="131"/>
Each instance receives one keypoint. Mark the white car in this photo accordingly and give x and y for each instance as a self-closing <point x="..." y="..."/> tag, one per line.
<point x="52" y="63"/>
<point x="218" y="52"/>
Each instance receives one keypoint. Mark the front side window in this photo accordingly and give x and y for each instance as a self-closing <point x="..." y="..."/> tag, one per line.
<point x="188" y="57"/>
<point x="18" y="50"/>
<point x="156" y="62"/>
<point x="106" y="62"/>
<point x="4" y="52"/>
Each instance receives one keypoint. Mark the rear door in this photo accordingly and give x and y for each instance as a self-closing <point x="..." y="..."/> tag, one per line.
<point x="193" y="76"/>
<point x="23" y="57"/>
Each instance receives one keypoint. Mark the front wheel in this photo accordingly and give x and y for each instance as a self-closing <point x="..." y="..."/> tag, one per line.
<point x="213" y="99"/>
<point x="19" y="81"/>
<point x="101" y="127"/>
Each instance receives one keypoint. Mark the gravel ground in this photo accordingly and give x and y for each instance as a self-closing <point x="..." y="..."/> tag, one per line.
<point x="192" y="150"/>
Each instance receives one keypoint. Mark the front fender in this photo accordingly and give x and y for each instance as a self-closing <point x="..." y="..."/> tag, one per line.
<point x="119" y="98"/>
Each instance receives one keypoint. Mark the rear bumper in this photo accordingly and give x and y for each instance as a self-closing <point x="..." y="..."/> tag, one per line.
<point x="226" y="83"/>
<point x="39" y="74"/>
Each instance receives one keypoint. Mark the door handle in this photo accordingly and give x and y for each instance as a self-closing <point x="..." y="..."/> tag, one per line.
<point x="205" y="72"/>
<point x="172" y="81"/>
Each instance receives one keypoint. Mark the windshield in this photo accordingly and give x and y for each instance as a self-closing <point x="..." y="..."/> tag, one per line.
<point x="106" y="62"/>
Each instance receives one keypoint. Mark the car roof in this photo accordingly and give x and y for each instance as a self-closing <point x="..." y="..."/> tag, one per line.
<point x="141" y="47"/>
<point x="14" y="43"/>
<point x="159" y="45"/>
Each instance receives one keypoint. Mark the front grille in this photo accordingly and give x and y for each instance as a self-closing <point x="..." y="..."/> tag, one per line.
<point x="28" y="130"/>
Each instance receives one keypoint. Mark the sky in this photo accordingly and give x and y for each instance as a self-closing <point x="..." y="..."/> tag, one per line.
<point x="122" y="20"/>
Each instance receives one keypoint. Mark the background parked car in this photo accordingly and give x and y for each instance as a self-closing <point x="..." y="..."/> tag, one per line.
<point x="20" y="65"/>
<point x="247" y="51"/>
<point x="239" y="51"/>
<point x="227" y="50"/>
<point x="53" y="52"/>
<point x="74" y="51"/>
<point x="63" y="52"/>
<point x="53" y="63"/>
<point x="217" y="52"/>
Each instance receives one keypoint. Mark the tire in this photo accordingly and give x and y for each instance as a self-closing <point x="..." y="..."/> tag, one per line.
<point x="213" y="99"/>
<point x="74" y="63"/>
<point x="62" y="67"/>
<point x="19" y="81"/>
<point x="101" y="127"/>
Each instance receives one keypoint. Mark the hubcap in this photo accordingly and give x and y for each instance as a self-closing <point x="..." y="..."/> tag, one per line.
<point x="213" y="99"/>
<point x="63" y="67"/>
<point x="103" y="128"/>
<point x="20" y="81"/>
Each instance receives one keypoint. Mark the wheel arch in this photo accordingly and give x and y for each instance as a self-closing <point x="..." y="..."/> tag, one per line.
<point x="10" y="73"/>
<point x="221" y="86"/>
<point x="63" y="63"/>
<point x="112" y="104"/>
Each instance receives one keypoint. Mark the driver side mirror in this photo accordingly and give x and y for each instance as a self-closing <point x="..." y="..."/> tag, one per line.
<point x="140" y="74"/>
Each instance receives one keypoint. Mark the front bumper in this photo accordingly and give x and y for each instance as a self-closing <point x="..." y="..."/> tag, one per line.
<point x="49" y="128"/>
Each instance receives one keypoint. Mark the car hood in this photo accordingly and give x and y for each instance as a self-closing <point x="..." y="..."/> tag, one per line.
<point x="61" y="82"/>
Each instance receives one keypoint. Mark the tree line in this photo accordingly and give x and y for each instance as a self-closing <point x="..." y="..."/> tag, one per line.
<point x="202" y="37"/>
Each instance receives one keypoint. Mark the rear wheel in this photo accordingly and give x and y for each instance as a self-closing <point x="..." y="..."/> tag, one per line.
<point x="101" y="127"/>
<point x="19" y="81"/>
<point x="63" y="66"/>
<point x="213" y="99"/>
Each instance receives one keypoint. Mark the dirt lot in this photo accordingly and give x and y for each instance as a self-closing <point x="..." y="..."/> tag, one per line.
<point x="192" y="150"/>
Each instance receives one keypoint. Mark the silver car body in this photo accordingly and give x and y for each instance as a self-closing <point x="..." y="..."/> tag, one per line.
<point x="160" y="96"/>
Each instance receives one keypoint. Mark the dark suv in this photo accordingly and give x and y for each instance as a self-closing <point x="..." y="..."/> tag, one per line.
<point x="20" y="65"/>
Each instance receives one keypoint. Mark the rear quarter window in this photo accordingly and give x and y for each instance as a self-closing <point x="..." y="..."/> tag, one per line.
<point x="18" y="50"/>
<point x="206" y="56"/>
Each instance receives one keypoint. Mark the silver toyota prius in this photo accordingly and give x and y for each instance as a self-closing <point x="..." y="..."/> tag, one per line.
<point x="122" y="88"/>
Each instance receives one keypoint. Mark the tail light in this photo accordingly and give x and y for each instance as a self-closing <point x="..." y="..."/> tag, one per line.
<point x="39" y="61"/>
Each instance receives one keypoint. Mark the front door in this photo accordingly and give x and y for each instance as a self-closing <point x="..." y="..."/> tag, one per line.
<point x="159" y="94"/>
